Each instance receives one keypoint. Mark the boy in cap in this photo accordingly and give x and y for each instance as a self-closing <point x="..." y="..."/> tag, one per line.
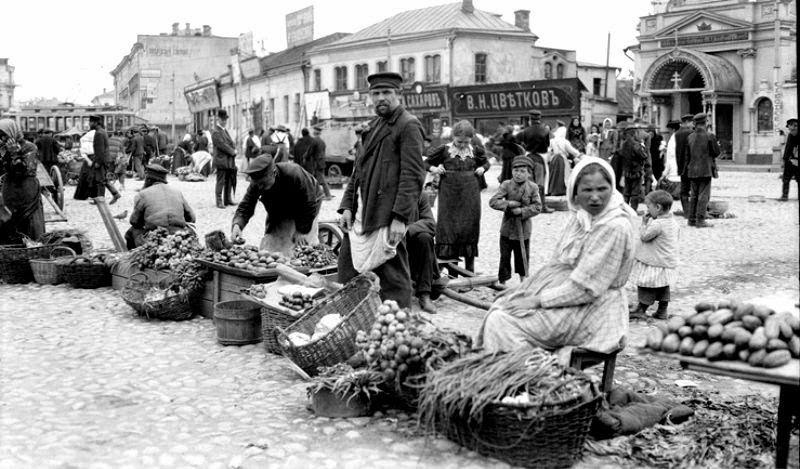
<point x="791" y="169"/>
<point x="518" y="199"/>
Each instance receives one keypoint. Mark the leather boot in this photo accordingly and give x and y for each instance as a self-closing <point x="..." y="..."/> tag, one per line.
<point x="426" y="304"/>
<point x="661" y="312"/>
<point x="229" y="196"/>
<point x="640" y="312"/>
<point x="219" y="202"/>
<point x="685" y="206"/>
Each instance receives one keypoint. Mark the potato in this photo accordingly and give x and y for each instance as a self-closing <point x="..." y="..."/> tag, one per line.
<point x="700" y="319"/>
<point x="687" y="345"/>
<point x="729" y="333"/>
<point x="720" y="316"/>
<point x="729" y="351"/>
<point x="757" y="357"/>
<point x="671" y="343"/>
<point x="742" y="311"/>
<point x="751" y="323"/>
<point x="794" y="346"/>
<point x="792" y="320"/>
<point x="759" y="340"/>
<point x="776" y="359"/>
<point x="727" y="303"/>
<point x="700" y="332"/>
<point x="704" y="306"/>
<point x="715" y="332"/>
<point x="735" y="324"/>
<point x="714" y="351"/>
<point x="742" y="338"/>
<point x="776" y="344"/>
<point x="744" y="355"/>
<point x="762" y="312"/>
<point x="654" y="339"/>
<point x="699" y="349"/>
<point x="685" y="331"/>
<point x="675" y="323"/>
<point x="786" y="332"/>
<point x="771" y="328"/>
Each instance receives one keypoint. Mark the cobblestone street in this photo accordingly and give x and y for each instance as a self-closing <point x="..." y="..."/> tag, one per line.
<point x="86" y="384"/>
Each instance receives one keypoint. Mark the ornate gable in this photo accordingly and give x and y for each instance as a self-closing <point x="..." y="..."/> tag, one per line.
<point x="702" y="22"/>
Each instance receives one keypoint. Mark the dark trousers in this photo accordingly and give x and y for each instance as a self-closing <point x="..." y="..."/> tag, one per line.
<point x="224" y="187"/>
<point x="320" y="177"/>
<point x="394" y="274"/>
<point x="541" y="196"/>
<point x="422" y="262"/>
<point x="138" y="167"/>
<point x="698" y="198"/>
<point x="649" y="295"/>
<point x="790" y="172"/>
<point x="685" y="190"/>
<point x="632" y="191"/>
<point x="507" y="247"/>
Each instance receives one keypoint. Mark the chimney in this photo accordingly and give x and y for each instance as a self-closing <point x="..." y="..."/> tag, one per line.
<point x="175" y="28"/>
<point x="206" y="30"/>
<point x="188" y="30"/>
<point x="522" y="20"/>
<point x="467" y="7"/>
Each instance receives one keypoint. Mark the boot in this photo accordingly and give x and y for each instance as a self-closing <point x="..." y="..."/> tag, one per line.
<point x="219" y="202"/>
<point x="438" y="285"/>
<point x="426" y="304"/>
<point x="701" y="223"/>
<point x="785" y="190"/>
<point x="640" y="312"/>
<point x="685" y="206"/>
<point x="229" y="196"/>
<point x="661" y="312"/>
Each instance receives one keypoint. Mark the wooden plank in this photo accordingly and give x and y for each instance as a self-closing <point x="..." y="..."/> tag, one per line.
<point x="466" y="299"/>
<point x="111" y="224"/>
<point x="266" y="274"/>
<point x="788" y="374"/>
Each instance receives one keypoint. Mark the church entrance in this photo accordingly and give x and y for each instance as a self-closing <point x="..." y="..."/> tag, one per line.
<point x="723" y="128"/>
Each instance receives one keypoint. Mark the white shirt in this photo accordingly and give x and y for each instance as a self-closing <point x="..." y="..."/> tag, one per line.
<point x="670" y="162"/>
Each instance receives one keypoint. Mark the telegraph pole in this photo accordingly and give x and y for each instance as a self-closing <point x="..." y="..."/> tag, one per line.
<point x="173" y="107"/>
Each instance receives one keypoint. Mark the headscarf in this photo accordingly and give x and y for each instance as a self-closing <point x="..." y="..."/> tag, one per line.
<point x="9" y="127"/>
<point x="616" y="206"/>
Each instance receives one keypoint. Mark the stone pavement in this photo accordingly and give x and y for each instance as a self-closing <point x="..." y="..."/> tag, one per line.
<point x="85" y="384"/>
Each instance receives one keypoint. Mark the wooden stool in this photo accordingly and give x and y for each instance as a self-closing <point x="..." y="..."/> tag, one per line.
<point x="582" y="359"/>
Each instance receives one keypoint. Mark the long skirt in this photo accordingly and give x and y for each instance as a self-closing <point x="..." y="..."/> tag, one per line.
<point x="558" y="167"/>
<point x="90" y="182"/>
<point x="23" y="199"/>
<point x="458" y="222"/>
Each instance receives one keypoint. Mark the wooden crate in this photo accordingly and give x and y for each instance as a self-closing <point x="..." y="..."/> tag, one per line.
<point x="224" y="287"/>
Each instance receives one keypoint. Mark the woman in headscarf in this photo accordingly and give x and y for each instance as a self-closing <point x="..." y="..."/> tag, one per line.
<point x="577" y="298"/>
<point x="460" y="165"/>
<point x="608" y="140"/>
<point x="576" y="134"/>
<point x="21" y="212"/>
<point x="562" y="154"/>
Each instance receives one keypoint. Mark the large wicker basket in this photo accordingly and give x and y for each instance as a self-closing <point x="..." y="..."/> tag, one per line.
<point x="271" y="319"/>
<point x="15" y="259"/>
<point x="84" y="272"/>
<point x="357" y="302"/>
<point x="552" y="437"/>
<point x="176" y="307"/>
<point x="45" y="271"/>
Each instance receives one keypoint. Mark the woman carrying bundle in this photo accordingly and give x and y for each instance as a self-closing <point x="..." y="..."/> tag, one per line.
<point x="577" y="298"/>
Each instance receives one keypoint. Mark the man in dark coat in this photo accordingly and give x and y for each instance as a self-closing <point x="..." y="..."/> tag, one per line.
<point x="305" y="151"/>
<point x="48" y="149"/>
<point x="224" y="160"/>
<point x="150" y="144"/>
<point x="536" y="140"/>
<point x="319" y="164"/>
<point x="290" y="196"/>
<point x="422" y="255"/>
<point x="634" y="163"/>
<point x="700" y="155"/>
<point x="791" y="166"/>
<point x="200" y="142"/>
<point x="385" y="186"/>
<point x="137" y="154"/>
<point x="681" y="139"/>
<point x="100" y="168"/>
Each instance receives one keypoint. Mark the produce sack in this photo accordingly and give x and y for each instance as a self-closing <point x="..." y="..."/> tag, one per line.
<point x="627" y="412"/>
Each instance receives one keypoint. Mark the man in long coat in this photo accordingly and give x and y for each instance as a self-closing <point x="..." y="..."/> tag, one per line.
<point x="224" y="161"/>
<point x="700" y="155"/>
<point x="681" y="138"/>
<point x="536" y="140"/>
<point x="384" y="190"/>
<point x="791" y="166"/>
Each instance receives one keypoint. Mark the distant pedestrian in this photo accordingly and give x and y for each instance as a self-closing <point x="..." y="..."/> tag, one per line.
<point x="305" y="151"/>
<point x="518" y="199"/>
<point x="562" y="157"/>
<point x="116" y="150"/>
<point x="576" y="134"/>
<point x="593" y="141"/>
<point x="137" y="154"/>
<point x="224" y="161"/>
<point x="319" y="165"/>
<point x="48" y="149"/>
<point x="681" y="140"/>
<point x="633" y="161"/>
<point x="608" y="140"/>
<point x="655" y="153"/>
<point x="150" y="144"/>
<point x="791" y="168"/>
<point x="536" y="141"/>
<point x="657" y="256"/>
<point x="700" y="155"/>
<point x="252" y="147"/>
<point x="201" y="141"/>
<point x="670" y="179"/>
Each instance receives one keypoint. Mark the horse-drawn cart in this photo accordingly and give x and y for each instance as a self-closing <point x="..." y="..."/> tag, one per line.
<point x="52" y="189"/>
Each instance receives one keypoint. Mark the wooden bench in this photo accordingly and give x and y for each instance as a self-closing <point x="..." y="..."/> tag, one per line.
<point x="582" y="359"/>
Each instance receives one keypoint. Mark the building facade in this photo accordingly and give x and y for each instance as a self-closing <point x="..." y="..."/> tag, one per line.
<point x="7" y="85"/>
<point x="732" y="59"/>
<point x="150" y="80"/>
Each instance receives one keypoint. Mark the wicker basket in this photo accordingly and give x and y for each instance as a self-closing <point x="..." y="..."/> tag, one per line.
<point x="45" y="271"/>
<point x="271" y="319"/>
<point x="84" y="274"/>
<point x="15" y="259"/>
<point x="357" y="302"/>
<point x="553" y="437"/>
<point x="174" y="308"/>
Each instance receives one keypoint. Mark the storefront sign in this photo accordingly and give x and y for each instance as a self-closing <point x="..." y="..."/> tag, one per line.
<point x="706" y="39"/>
<point x="250" y="68"/>
<point x="300" y="27"/>
<point x="202" y="96"/>
<point x="431" y="100"/>
<point x="551" y="97"/>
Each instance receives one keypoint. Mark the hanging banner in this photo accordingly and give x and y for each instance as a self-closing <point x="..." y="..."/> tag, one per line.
<point x="318" y="105"/>
<point x="202" y="96"/>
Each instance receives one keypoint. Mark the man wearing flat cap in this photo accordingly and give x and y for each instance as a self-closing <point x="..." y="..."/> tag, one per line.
<point x="157" y="205"/>
<point x="383" y="193"/>
<point x="699" y="156"/>
<point x="292" y="199"/>
<point x="791" y="169"/>
<point x="681" y="140"/>
<point x="224" y="161"/>
<point x="319" y="163"/>
<point x="536" y="140"/>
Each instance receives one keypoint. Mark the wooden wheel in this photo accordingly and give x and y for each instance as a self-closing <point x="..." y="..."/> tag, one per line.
<point x="330" y="235"/>
<point x="334" y="171"/>
<point x="58" y="186"/>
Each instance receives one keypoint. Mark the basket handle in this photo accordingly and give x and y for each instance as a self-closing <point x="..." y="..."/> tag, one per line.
<point x="62" y="248"/>
<point x="79" y="257"/>
<point x="136" y="274"/>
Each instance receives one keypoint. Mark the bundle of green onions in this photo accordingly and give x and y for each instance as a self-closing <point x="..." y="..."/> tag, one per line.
<point x="347" y="383"/>
<point x="465" y="387"/>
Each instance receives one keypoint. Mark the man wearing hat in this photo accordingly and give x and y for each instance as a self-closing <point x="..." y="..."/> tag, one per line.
<point x="290" y="196"/>
<point x="305" y="150"/>
<point x="681" y="139"/>
<point x="224" y="161"/>
<point x="319" y="164"/>
<point x="634" y="164"/>
<point x="281" y="137"/>
<point x="48" y="148"/>
<point x="150" y="144"/>
<point x="157" y="205"/>
<point x="99" y="165"/>
<point x="791" y="169"/>
<point x="384" y="190"/>
<point x="699" y="156"/>
<point x="536" y="141"/>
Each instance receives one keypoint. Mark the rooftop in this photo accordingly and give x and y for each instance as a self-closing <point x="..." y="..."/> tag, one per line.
<point x="295" y="54"/>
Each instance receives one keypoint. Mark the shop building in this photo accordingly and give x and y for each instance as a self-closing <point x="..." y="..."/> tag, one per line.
<point x="734" y="60"/>
<point x="7" y="85"/>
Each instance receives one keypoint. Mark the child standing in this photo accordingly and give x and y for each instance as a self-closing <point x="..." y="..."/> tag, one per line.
<point x="518" y="199"/>
<point x="657" y="256"/>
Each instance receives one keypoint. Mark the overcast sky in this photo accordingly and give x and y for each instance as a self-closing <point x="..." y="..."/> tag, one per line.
<point x="66" y="50"/>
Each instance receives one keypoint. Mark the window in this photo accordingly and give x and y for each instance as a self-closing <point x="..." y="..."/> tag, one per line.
<point x="764" y="115"/>
<point x="317" y="79"/>
<point x="362" y="71"/>
<point x="480" y="68"/>
<point x="407" y="69"/>
<point x="597" y="85"/>
<point x="433" y="65"/>
<point x="381" y="66"/>
<point x="548" y="71"/>
<point x="560" y="71"/>
<point x="340" y="78"/>
<point x="285" y="108"/>
<point x="297" y="107"/>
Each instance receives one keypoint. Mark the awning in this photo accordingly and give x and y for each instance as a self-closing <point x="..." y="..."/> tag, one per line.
<point x="678" y="69"/>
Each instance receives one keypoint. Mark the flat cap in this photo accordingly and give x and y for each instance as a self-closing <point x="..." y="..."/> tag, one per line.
<point x="791" y="121"/>
<point x="522" y="160"/>
<point x="258" y="164"/>
<point x="700" y="117"/>
<point x="687" y="117"/>
<point x="535" y="113"/>
<point x="279" y="128"/>
<point x="673" y="124"/>
<point x="156" y="169"/>
<point x="385" y="80"/>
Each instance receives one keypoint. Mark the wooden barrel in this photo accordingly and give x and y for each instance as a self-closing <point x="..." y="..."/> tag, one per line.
<point x="238" y="322"/>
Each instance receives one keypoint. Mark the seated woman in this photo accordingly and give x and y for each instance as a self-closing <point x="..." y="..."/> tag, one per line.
<point x="577" y="298"/>
<point x="157" y="205"/>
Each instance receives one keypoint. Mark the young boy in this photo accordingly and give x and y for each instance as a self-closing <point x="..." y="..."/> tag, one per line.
<point x="518" y="199"/>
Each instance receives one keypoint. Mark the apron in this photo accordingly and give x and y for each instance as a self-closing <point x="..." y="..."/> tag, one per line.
<point x="459" y="216"/>
<point x="281" y="237"/>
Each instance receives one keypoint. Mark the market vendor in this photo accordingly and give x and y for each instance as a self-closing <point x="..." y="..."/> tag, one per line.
<point x="157" y="205"/>
<point x="292" y="199"/>
<point x="21" y="212"/>
<point x="577" y="298"/>
<point x="422" y="255"/>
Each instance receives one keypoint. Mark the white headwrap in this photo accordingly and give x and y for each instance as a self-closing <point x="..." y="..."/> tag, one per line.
<point x="616" y="205"/>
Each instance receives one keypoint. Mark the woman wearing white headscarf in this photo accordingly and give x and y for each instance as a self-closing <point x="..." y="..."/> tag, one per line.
<point x="21" y="212"/>
<point x="577" y="298"/>
<point x="559" y="165"/>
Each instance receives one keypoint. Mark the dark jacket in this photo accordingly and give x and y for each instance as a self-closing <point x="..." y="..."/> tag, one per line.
<point x="201" y="143"/>
<point x="224" y="148"/>
<point x="527" y="194"/>
<point x="100" y="145"/>
<point x="634" y="161"/>
<point x="137" y="146"/>
<point x="319" y="161"/>
<point x="426" y="223"/>
<point x="160" y="205"/>
<point x="681" y="138"/>
<point x="294" y="195"/>
<point x="790" y="149"/>
<point x="250" y="148"/>
<point x="305" y="151"/>
<point x="700" y="155"/>
<point x="48" y="150"/>
<point x="388" y="172"/>
<point x="534" y="139"/>
<point x="150" y="145"/>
